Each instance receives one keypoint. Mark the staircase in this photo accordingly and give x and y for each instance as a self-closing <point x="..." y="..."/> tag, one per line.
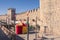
<point x="5" y="33"/>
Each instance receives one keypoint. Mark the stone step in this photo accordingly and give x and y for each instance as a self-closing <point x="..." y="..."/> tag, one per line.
<point x="38" y="39"/>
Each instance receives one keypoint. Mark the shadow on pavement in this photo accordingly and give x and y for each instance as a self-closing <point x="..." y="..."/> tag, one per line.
<point x="19" y="38"/>
<point x="3" y="36"/>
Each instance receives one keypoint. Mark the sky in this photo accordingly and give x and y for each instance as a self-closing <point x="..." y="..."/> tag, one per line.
<point x="20" y="5"/>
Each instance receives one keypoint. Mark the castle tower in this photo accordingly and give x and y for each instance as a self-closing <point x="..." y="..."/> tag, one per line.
<point x="11" y="14"/>
<point x="50" y="15"/>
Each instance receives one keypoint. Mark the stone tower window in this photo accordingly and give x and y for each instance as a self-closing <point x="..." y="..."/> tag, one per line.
<point x="24" y="19"/>
<point x="33" y="20"/>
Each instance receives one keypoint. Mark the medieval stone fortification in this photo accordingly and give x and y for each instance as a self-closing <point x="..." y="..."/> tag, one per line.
<point x="12" y="15"/>
<point x="48" y="16"/>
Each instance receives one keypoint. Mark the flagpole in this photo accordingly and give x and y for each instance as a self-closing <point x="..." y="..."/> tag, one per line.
<point x="14" y="21"/>
<point x="27" y="27"/>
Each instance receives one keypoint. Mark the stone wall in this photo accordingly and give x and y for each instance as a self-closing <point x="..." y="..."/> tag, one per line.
<point x="49" y="10"/>
<point x="3" y="17"/>
<point x="32" y="15"/>
<point x="23" y="16"/>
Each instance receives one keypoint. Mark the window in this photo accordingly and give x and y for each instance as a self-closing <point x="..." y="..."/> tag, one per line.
<point x="33" y="20"/>
<point x="24" y="19"/>
<point x="20" y="20"/>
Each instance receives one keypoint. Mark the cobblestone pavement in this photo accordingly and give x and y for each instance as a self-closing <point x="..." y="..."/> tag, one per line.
<point x="32" y="36"/>
<point x="24" y="36"/>
<point x="3" y="36"/>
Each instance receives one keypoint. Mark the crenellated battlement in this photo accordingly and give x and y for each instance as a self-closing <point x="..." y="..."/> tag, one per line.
<point x="33" y="10"/>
